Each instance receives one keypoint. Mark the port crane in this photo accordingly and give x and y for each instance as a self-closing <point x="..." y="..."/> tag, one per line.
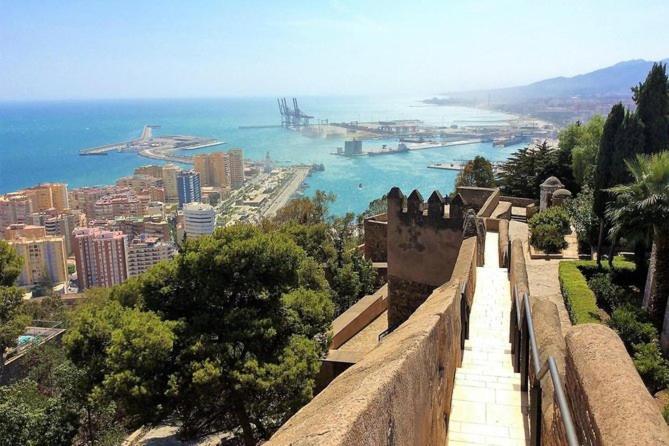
<point x="292" y="117"/>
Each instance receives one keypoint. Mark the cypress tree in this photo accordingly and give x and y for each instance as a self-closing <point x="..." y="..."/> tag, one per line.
<point x="605" y="157"/>
<point x="629" y="141"/>
<point x="652" y="101"/>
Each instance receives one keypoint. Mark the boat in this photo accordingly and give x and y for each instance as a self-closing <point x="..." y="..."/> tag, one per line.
<point x="508" y="140"/>
<point x="401" y="148"/>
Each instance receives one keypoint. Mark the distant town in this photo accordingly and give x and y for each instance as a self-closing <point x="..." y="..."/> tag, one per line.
<point x="100" y="236"/>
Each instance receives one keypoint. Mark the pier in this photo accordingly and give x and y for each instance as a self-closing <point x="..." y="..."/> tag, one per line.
<point x="156" y="147"/>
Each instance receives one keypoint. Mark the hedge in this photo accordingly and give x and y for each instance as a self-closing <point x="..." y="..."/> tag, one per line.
<point x="578" y="297"/>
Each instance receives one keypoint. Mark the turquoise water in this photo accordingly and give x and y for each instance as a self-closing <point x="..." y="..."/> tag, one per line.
<point x="40" y="141"/>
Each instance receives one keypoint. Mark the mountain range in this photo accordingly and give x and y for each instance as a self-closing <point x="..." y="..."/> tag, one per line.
<point x="613" y="81"/>
<point x="560" y="100"/>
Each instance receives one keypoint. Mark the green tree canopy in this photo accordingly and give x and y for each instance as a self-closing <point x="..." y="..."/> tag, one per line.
<point x="579" y="144"/>
<point x="251" y="320"/>
<point x="642" y="206"/>
<point x="477" y="172"/>
<point x="10" y="264"/>
<point x="12" y="320"/>
<point x="126" y="355"/>
<point x="525" y="170"/>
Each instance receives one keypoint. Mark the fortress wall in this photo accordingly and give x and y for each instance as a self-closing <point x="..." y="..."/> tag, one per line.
<point x="477" y="196"/>
<point x="423" y="246"/>
<point x="400" y="393"/>
<point x="518" y="270"/>
<point x="503" y="241"/>
<point x="502" y="211"/>
<point x="518" y="201"/>
<point x="376" y="238"/>
<point x="609" y="402"/>
<point x="489" y="205"/>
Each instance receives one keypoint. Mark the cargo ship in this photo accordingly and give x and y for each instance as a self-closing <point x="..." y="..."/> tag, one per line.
<point x="401" y="148"/>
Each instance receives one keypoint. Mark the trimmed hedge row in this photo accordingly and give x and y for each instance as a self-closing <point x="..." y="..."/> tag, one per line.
<point x="578" y="297"/>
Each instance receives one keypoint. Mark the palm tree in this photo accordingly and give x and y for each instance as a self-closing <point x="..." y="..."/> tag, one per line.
<point x="642" y="207"/>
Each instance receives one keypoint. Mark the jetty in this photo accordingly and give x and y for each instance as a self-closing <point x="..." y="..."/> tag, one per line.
<point x="156" y="147"/>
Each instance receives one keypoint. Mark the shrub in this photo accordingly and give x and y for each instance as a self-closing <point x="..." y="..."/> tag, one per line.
<point x="555" y="216"/>
<point x="548" y="238"/>
<point x="609" y="295"/>
<point x="548" y="228"/>
<point x="632" y="325"/>
<point x="652" y="366"/>
<point x="578" y="297"/>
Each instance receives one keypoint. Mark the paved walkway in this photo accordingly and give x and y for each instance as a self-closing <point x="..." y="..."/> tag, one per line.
<point x="543" y="275"/>
<point x="488" y="405"/>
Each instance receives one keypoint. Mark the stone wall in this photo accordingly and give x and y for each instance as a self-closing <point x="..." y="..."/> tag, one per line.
<point x="423" y="246"/>
<point x="550" y="342"/>
<point x="610" y="404"/>
<point x="503" y="240"/>
<point x="518" y="201"/>
<point x="474" y="196"/>
<point x="477" y="196"/>
<point x="490" y="204"/>
<point x="400" y="393"/>
<point x="502" y="211"/>
<point x="358" y="316"/>
<point x="376" y="241"/>
<point x="518" y="272"/>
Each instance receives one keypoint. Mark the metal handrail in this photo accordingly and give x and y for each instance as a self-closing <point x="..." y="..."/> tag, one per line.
<point x="524" y="346"/>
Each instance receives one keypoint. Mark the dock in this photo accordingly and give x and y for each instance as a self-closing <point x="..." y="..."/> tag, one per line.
<point x="460" y="164"/>
<point x="447" y="166"/>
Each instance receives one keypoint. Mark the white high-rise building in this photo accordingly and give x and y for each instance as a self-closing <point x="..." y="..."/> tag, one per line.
<point x="145" y="251"/>
<point x="199" y="219"/>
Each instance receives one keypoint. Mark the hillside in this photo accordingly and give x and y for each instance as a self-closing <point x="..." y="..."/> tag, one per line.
<point x="560" y="99"/>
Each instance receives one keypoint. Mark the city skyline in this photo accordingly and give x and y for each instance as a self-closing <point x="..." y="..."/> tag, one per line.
<point x="211" y="49"/>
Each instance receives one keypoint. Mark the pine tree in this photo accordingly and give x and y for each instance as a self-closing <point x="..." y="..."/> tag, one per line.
<point x="652" y="100"/>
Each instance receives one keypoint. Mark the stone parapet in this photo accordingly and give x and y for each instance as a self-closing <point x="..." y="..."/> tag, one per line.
<point x="400" y="393"/>
<point x="376" y="238"/>
<point x="518" y="201"/>
<point x="423" y="246"/>
<point x="609" y="402"/>
<point x="503" y="242"/>
<point x="550" y="342"/>
<point x="518" y="270"/>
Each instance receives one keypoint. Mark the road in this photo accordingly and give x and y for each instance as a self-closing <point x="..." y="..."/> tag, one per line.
<point x="287" y="191"/>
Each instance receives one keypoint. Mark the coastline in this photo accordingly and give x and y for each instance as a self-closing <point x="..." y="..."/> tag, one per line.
<point x="288" y="190"/>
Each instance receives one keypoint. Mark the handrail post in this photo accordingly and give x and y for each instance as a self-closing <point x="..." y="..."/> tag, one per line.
<point x="535" y="412"/>
<point x="524" y="350"/>
<point x="463" y="319"/>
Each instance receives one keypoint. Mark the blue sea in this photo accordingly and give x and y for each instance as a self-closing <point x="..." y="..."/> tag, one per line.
<point x="40" y="141"/>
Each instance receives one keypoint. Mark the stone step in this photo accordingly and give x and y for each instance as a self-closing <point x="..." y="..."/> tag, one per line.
<point x="488" y="346"/>
<point x="495" y="371"/>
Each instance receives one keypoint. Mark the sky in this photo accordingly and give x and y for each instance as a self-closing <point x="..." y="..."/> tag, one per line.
<point x="65" y="49"/>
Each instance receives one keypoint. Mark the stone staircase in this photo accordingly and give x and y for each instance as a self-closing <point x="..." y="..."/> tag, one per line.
<point x="488" y="407"/>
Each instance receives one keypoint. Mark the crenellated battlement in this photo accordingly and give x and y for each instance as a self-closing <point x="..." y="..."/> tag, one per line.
<point x="424" y="238"/>
<point x="415" y="209"/>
